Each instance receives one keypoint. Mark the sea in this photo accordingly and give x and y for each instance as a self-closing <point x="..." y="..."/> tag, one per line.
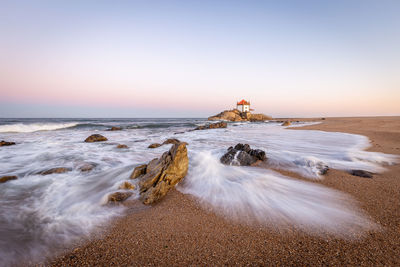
<point x="42" y="215"/>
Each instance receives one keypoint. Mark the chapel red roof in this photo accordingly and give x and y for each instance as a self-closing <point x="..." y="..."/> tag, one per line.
<point x="243" y="102"/>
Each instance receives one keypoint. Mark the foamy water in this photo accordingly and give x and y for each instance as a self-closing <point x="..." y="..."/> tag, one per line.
<point x="40" y="214"/>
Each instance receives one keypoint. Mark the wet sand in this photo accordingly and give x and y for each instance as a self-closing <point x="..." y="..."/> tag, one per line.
<point x="179" y="231"/>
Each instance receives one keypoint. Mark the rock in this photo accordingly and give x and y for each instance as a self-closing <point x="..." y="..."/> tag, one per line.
<point x="236" y="115"/>
<point x="171" y="141"/>
<point x="114" y="128"/>
<point x="286" y="123"/>
<point x="155" y="145"/>
<point x="212" y="126"/>
<point x="257" y="117"/>
<point x="243" y="155"/>
<point x="95" y="138"/>
<point x="361" y="173"/>
<point x="87" y="167"/>
<point x="118" y="197"/>
<point x="323" y="169"/>
<point x="55" y="170"/>
<point x="127" y="185"/>
<point x="5" y="143"/>
<point x="4" y="179"/>
<point x="163" y="173"/>
<point x="138" y="171"/>
<point x="122" y="146"/>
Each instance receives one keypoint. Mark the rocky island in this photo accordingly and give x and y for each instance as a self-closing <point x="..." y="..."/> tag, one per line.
<point x="240" y="113"/>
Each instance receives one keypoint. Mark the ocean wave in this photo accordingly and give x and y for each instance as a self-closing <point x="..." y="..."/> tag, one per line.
<point x="34" y="127"/>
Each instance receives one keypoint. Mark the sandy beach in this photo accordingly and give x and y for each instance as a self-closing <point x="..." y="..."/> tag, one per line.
<point x="180" y="231"/>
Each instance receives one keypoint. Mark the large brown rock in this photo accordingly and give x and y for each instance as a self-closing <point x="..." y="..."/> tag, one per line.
<point x="216" y="125"/>
<point x="171" y="141"/>
<point x="127" y="185"/>
<point x="122" y="146"/>
<point x="95" y="138"/>
<point x="286" y="123"/>
<point x="55" y="170"/>
<point x="4" y="179"/>
<point x="5" y="143"/>
<point x="163" y="173"/>
<point x="155" y="145"/>
<point x="87" y="167"/>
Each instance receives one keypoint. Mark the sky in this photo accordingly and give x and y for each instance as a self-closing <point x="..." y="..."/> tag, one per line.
<point x="196" y="58"/>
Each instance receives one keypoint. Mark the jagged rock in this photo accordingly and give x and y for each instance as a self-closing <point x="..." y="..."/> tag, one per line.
<point x="127" y="185"/>
<point x="155" y="145"/>
<point x="87" y="167"/>
<point x="5" y="143"/>
<point x="118" y="196"/>
<point x="212" y="126"/>
<point x="138" y="171"/>
<point x="171" y="141"/>
<point x="95" y="138"/>
<point x="122" y="146"/>
<point x="4" y="179"/>
<point x="243" y="155"/>
<point x="163" y="174"/>
<point x="55" y="170"/>
<point x="361" y="173"/>
<point x="115" y="128"/>
<point x="286" y="123"/>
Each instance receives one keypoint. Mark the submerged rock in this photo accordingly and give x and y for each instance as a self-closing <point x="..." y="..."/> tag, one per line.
<point x="55" y="170"/>
<point x="212" y="126"/>
<point x="122" y="146"/>
<point x="243" y="155"/>
<point x="115" y="128"/>
<point x="286" y="123"/>
<point x="127" y="185"/>
<point x="5" y="143"/>
<point x="361" y="173"/>
<point x="138" y="171"/>
<point x="162" y="174"/>
<point x="86" y="167"/>
<point x="155" y="145"/>
<point x="95" y="138"/>
<point x="4" y="179"/>
<point x="118" y="197"/>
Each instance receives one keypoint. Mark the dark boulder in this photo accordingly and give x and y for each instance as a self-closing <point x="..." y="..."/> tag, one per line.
<point x="5" y="143"/>
<point x="95" y="138"/>
<point x="4" y="179"/>
<point x="361" y="173"/>
<point x="243" y="155"/>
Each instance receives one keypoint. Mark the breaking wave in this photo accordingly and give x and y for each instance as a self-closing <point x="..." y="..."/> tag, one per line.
<point x="34" y="127"/>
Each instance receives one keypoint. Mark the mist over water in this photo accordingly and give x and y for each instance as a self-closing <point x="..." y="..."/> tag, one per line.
<point x="40" y="214"/>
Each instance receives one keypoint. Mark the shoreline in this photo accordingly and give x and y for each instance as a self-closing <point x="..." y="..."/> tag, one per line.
<point x="180" y="231"/>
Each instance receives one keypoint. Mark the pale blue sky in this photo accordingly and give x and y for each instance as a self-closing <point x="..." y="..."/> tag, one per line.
<point x="195" y="58"/>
